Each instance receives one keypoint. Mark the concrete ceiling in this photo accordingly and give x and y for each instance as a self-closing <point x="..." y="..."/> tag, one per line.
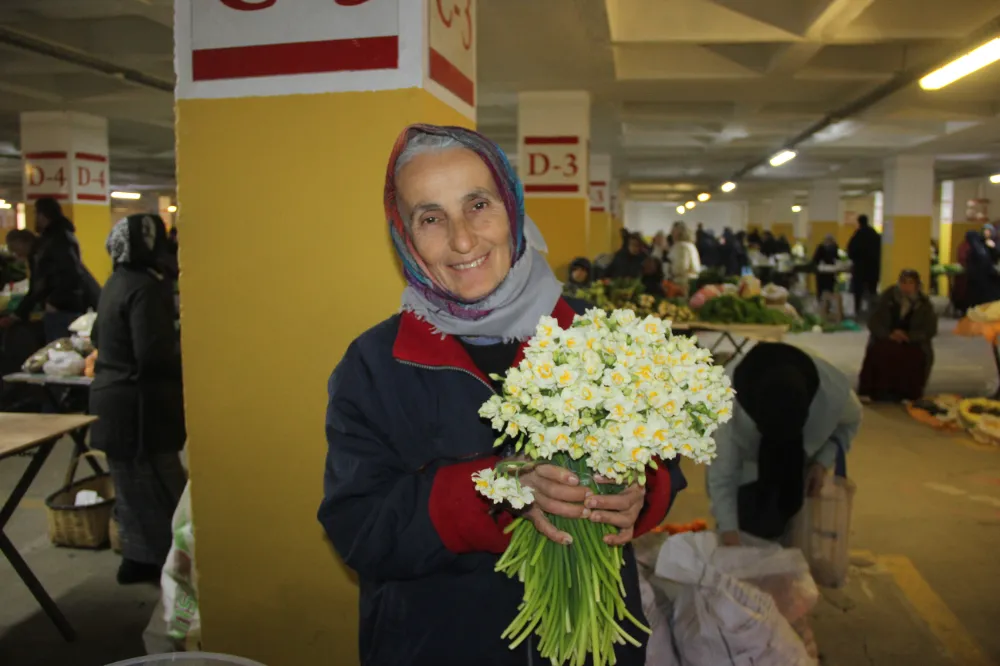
<point x="685" y="93"/>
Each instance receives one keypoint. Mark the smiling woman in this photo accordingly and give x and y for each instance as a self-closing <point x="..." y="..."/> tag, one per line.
<point x="403" y="423"/>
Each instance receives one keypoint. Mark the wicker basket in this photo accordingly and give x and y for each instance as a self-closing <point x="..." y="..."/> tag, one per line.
<point x="81" y="526"/>
<point x="114" y="535"/>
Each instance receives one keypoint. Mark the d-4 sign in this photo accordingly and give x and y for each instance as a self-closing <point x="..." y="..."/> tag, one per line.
<point x="553" y="164"/>
<point x="77" y="178"/>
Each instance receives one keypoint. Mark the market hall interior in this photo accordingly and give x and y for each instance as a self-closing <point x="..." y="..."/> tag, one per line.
<point x="258" y="131"/>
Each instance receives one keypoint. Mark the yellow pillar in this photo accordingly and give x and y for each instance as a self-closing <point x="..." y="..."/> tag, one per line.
<point x="908" y="201"/>
<point x="600" y="241"/>
<point x="66" y="158"/>
<point x="260" y="346"/>
<point x="553" y="154"/>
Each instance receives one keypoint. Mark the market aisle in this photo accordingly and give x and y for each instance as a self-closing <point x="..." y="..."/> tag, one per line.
<point x="928" y="513"/>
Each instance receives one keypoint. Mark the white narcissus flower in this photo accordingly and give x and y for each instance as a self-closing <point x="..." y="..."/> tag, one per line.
<point x="565" y="376"/>
<point x="617" y="376"/>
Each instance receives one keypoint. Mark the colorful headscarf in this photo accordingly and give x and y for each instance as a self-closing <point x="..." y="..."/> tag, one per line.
<point x="506" y="313"/>
<point x="138" y="240"/>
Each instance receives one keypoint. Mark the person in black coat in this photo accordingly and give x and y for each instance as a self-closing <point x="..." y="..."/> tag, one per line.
<point x="628" y="261"/>
<point x="58" y="282"/>
<point x="865" y="252"/>
<point x="138" y="395"/>
<point x="827" y="254"/>
<point x="734" y="252"/>
<point x="983" y="280"/>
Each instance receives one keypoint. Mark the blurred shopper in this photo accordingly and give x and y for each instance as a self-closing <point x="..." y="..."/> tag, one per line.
<point x="734" y="253"/>
<point x="685" y="262"/>
<point x="137" y="394"/>
<point x="768" y="244"/>
<point x="580" y="275"/>
<point x="865" y="253"/>
<point x="708" y="248"/>
<point x="58" y="281"/>
<point x="782" y="245"/>
<point x="652" y="277"/>
<point x="900" y="355"/>
<point x="660" y="246"/>
<point x="827" y="254"/>
<point x="990" y="241"/>
<point x="628" y="262"/>
<point x="982" y="279"/>
<point x="792" y="413"/>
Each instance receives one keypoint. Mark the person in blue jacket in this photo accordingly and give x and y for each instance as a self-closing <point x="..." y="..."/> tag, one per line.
<point x="793" y="411"/>
<point x="404" y="432"/>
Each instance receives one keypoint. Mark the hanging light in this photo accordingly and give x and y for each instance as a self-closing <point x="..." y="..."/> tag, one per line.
<point x="978" y="58"/>
<point x="728" y="187"/>
<point x="796" y="209"/>
<point x="704" y="196"/>
<point x="783" y="157"/>
<point x="681" y="210"/>
<point x="171" y="209"/>
<point x="126" y="195"/>
<point x="995" y="178"/>
<point x="689" y="205"/>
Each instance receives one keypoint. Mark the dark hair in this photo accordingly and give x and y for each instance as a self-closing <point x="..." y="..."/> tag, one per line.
<point x="909" y="274"/>
<point x="50" y="208"/>
<point x="863" y="220"/>
<point x="20" y="236"/>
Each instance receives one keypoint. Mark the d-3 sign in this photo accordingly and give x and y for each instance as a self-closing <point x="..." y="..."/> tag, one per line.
<point x="553" y="164"/>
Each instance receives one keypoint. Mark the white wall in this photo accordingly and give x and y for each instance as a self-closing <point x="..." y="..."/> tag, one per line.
<point x="649" y="217"/>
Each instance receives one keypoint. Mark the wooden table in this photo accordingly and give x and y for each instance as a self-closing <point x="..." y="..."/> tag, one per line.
<point x="59" y="392"/>
<point x="37" y="433"/>
<point x="747" y="332"/>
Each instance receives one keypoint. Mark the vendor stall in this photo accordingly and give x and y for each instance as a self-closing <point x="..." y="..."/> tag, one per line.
<point x="738" y="335"/>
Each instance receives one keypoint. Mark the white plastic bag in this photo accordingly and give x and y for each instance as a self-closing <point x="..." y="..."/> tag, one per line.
<point x="822" y="530"/>
<point x="721" y="617"/>
<point x="84" y="324"/>
<point x="64" y="364"/>
<point x="657" y="609"/>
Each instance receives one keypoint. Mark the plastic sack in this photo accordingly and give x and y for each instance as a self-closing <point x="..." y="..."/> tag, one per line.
<point x="987" y="312"/>
<point x="84" y="324"/>
<point x="657" y="609"/>
<point x="822" y="530"/>
<point x="82" y="345"/>
<point x="36" y="362"/>
<point x="176" y="623"/>
<point x="725" y="612"/>
<point x="749" y="286"/>
<point x="64" y="364"/>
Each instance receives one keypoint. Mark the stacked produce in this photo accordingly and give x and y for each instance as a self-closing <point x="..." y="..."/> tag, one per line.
<point x="626" y="294"/>
<point x="735" y="310"/>
<point x="66" y="357"/>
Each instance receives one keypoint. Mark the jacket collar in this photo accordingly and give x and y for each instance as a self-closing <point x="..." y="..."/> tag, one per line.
<point x="417" y="343"/>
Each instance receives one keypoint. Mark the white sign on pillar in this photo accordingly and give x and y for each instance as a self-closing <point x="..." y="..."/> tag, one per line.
<point x="600" y="183"/>
<point x="65" y="157"/>
<point x="252" y="48"/>
<point x="554" y="143"/>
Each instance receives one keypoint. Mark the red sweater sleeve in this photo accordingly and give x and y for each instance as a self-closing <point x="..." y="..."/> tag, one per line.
<point x="461" y="515"/>
<point x="657" y="501"/>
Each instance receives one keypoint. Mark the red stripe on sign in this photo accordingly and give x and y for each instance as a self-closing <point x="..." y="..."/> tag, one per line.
<point x="598" y="182"/>
<point x="551" y="140"/>
<point x="336" y="55"/>
<point x="449" y="76"/>
<point x="51" y="155"/>
<point x="596" y="210"/>
<point x="93" y="157"/>
<point x="551" y="188"/>
<point x="92" y="197"/>
<point x="34" y="197"/>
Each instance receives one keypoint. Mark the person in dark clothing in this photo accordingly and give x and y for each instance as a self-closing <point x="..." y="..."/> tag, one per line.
<point x="827" y="254"/>
<point x="57" y="283"/>
<point x="628" y="262"/>
<point x="652" y="277"/>
<point x="138" y="395"/>
<point x="753" y="239"/>
<point x="865" y="252"/>
<point x="900" y="355"/>
<point x="734" y="252"/>
<point x="579" y="275"/>
<point x="990" y="240"/>
<point x="403" y="427"/>
<point x="783" y="246"/>
<point x="768" y="244"/>
<point x="708" y="248"/>
<point x="982" y="278"/>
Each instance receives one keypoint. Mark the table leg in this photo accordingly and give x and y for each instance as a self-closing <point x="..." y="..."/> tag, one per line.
<point x="80" y="446"/>
<point x="15" y="559"/>
<point x="43" y="598"/>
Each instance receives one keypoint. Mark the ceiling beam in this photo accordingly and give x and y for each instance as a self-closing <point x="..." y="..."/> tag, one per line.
<point x="834" y="17"/>
<point x="30" y="93"/>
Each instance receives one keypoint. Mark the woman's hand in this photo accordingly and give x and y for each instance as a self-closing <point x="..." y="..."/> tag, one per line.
<point x="815" y="476"/>
<point x="899" y="336"/>
<point x="621" y="511"/>
<point x="557" y="491"/>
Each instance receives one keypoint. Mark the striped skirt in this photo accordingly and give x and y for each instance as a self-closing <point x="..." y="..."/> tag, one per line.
<point x="147" y="491"/>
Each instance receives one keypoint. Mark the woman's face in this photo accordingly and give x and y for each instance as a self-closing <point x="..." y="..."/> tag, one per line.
<point x="634" y="247"/>
<point x="458" y="222"/>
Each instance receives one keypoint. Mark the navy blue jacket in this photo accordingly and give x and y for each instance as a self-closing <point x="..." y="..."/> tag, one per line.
<point x="401" y="510"/>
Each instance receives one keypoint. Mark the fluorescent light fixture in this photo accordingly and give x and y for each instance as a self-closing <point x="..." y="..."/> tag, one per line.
<point x="2" y="201"/>
<point x="796" y="209"/>
<point x="4" y="205"/>
<point x="986" y="54"/>
<point x="728" y="187"/>
<point x="995" y="178"/>
<point x="689" y="205"/>
<point x="681" y="210"/>
<point x="783" y="157"/>
<point x="704" y="196"/>
<point x="171" y="209"/>
<point x="126" y="195"/>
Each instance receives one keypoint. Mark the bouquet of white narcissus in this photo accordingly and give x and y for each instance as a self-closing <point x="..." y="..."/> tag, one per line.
<point x="607" y="396"/>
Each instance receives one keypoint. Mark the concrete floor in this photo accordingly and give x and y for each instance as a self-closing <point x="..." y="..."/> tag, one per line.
<point x="925" y="590"/>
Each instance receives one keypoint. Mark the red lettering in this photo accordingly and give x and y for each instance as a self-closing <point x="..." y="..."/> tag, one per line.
<point x="36" y="176"/>
<point x="60" y="176"/>
<point x="100" y="178"/>
<point x="245" y="6"/>
<point x="350" y="3"/>
<point x="571" y="168"/>
<point x="544" y="161"/>
<point x="82" y="176"/>
<point x="457" y="10"/>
